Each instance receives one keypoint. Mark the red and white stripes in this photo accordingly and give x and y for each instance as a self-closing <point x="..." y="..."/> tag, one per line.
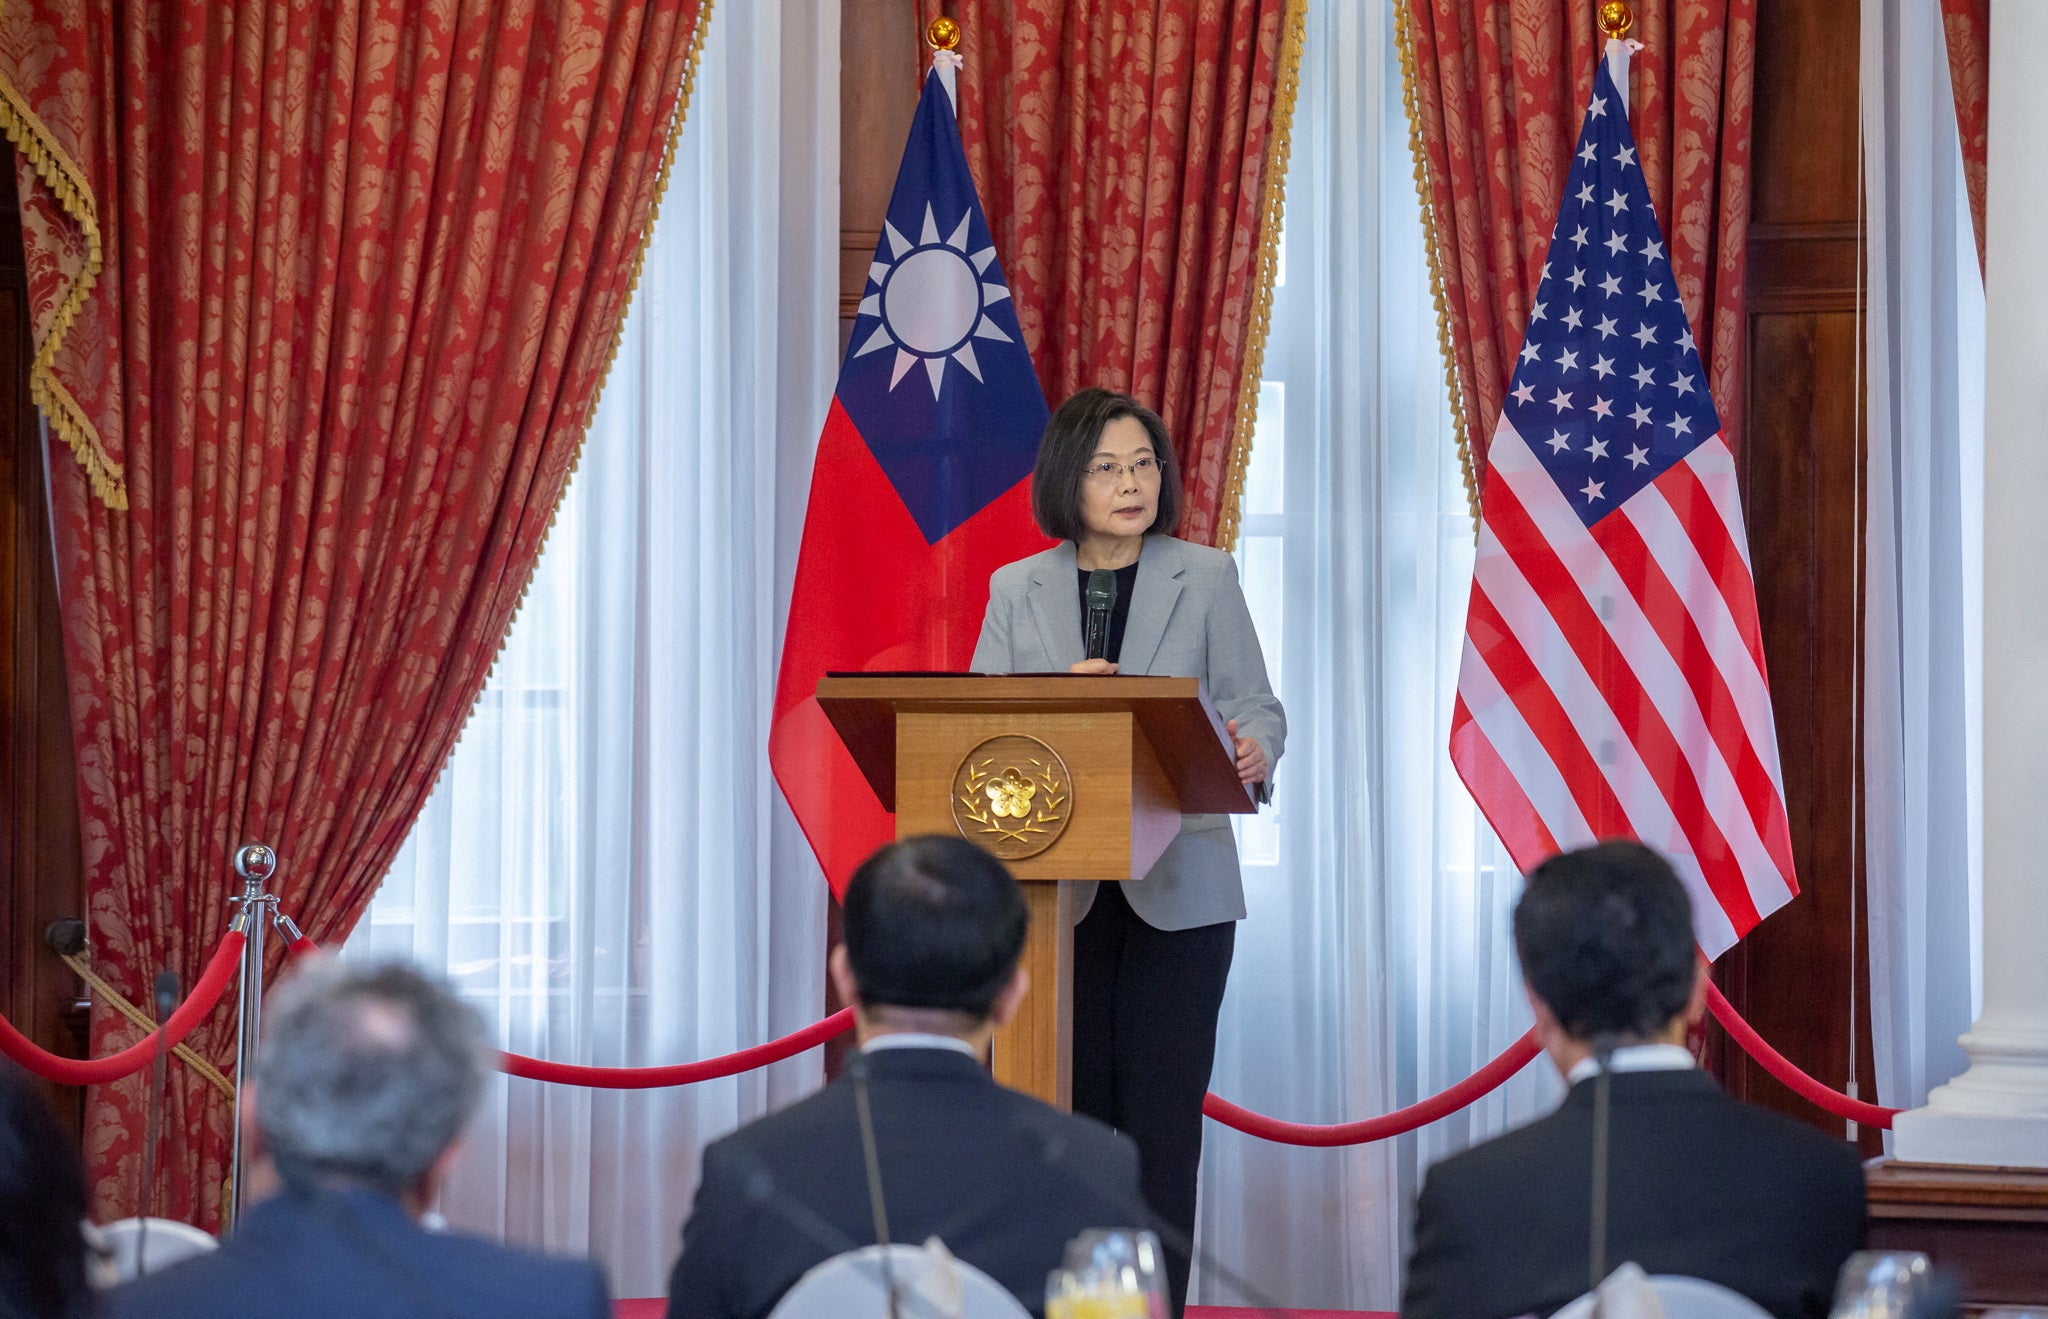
<point x="1613" y="682"/>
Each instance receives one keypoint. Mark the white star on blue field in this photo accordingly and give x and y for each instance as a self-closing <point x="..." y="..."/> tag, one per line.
<point x="1608" y="390"/>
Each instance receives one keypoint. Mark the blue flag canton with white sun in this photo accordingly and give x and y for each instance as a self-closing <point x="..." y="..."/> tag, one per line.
<point x="936" y="377"/>
<point x="1608" y="391"/>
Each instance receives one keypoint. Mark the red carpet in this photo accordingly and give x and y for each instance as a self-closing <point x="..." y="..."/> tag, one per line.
<point x="654" y="1309"/>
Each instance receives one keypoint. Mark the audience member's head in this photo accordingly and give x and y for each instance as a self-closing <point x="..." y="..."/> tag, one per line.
<point x="934" y="927"/>
<point x="42" y="1208"/>
<point x="1606" y="943"/>
<point x="366" y="1076"/>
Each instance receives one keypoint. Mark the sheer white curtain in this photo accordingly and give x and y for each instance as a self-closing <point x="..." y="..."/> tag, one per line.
<point x="1375" y="966"/>
<point x="606" y="868"/>
<point x="1923" y="589"/>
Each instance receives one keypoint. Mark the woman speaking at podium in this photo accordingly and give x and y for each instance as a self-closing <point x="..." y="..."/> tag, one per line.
<point x="1150" y="957"/>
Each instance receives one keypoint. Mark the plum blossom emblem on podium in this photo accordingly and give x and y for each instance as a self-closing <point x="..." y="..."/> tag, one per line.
<point x="1013" y="796"/>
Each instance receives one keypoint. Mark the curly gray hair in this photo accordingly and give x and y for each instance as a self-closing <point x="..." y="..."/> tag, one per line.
<point x="366" y="1073"/>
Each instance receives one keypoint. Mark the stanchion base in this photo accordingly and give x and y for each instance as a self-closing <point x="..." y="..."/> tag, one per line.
<point x="1930" y="1135"/>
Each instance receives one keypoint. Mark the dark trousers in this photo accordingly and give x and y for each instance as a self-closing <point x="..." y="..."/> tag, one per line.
<point x="1145" y="1008"/>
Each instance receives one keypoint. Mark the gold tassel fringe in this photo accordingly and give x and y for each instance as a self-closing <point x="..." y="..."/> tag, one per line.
<point x="1272" y="207"/>
<point x="67" y="183"/>
<point x="1405" y="38"/>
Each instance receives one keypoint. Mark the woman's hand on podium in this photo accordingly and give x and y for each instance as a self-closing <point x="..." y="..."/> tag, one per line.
<point x="1251" y="757"/>
<point x="1093" y="666"/>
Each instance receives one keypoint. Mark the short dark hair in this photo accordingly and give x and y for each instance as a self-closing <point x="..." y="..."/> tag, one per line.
<point x="366" y="1073"/>
<point x="42" y="1207"/>
<point x="933" y="922"/>
<point x="1606" y="941"/>
<point x="1069" y="442"/>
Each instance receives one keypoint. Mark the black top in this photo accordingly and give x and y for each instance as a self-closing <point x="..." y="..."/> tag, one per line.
<point x="1699" y="1185"/>
<point x="1004" y="1180"/>
<point x="1120" y="613"/>
<point x="356" y="1254"/>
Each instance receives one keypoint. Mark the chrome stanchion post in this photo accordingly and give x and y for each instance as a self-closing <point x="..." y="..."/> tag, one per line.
<point x="255" y="863"/>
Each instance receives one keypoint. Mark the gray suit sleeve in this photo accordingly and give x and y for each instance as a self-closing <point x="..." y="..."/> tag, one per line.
<point x="1237" y="677"/>
<point x="992" y="651"/>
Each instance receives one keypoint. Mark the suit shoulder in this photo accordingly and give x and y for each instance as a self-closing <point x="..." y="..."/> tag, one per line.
<point x="1507" y="1153"/>
<point x="793" y="1127"/>
<point x="1778" y="1137"/>
<point x="478" y="1276"/>
<point x="1204" y="561"/>
<point x="1014" y="577"/>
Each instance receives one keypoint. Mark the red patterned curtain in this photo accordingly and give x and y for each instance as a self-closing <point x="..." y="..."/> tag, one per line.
<point x="1497" y="89"/>
<point x="322" y="293"/>
<point x="1967" y="25"/>
<point x="1131" y="159"/>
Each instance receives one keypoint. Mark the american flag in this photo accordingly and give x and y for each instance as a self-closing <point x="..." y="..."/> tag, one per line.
<point x="1612" y="683"/>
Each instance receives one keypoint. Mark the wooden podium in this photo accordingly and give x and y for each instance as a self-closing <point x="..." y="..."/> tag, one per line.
<point x="1065" y="777"/>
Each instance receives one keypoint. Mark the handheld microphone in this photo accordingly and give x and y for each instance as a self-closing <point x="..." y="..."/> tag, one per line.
<point x="1101" y="603"/>
<point x="166" y="995"/>
<point x="1051" y="1147"/>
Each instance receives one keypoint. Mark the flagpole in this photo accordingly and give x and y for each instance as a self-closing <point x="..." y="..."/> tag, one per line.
<point x="943" y="35"/>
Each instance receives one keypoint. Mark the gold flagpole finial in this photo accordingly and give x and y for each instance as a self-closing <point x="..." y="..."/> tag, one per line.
<point x="1616" y="18"/>
<point x="943" y="34"/>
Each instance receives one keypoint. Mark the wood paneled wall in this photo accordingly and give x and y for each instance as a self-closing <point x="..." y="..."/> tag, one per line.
<point x="39" y="862"/>
<point x="881" y="58"/>
<point x="1800" y="978"/>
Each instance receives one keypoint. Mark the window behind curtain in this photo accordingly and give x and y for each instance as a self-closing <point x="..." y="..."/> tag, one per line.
<point x="605" y="868"/>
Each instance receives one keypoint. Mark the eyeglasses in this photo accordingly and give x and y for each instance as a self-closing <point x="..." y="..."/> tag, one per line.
<point x="1111" y="473"/>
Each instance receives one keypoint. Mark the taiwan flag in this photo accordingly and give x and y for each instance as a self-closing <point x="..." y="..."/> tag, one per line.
<point x="922" y="485"/>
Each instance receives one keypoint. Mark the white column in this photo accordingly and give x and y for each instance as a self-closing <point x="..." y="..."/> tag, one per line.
<point x="1996" y="1112"/>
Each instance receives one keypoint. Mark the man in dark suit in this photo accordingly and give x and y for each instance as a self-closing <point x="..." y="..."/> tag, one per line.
<point x="365" y="1078"/>
<point x="1698" y="1184"/>
<point x="934" y="928"/>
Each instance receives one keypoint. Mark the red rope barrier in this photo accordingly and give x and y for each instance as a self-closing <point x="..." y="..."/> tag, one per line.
<point x="1778" y="1065"/>
<point x="1482" y="1082"/>
<point x="654" y="1078"/>
<point x="205" y="996"/>
<point x="648" y="1078"/>
<point x="1442" y="1104"/>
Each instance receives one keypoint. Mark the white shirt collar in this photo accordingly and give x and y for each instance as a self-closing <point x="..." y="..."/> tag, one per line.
<point x="908" y="1039"/>
<point x="1636" y="1058"/>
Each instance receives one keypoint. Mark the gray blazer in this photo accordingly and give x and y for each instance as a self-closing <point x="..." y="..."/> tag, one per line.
<point x="1188" y="620"/>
